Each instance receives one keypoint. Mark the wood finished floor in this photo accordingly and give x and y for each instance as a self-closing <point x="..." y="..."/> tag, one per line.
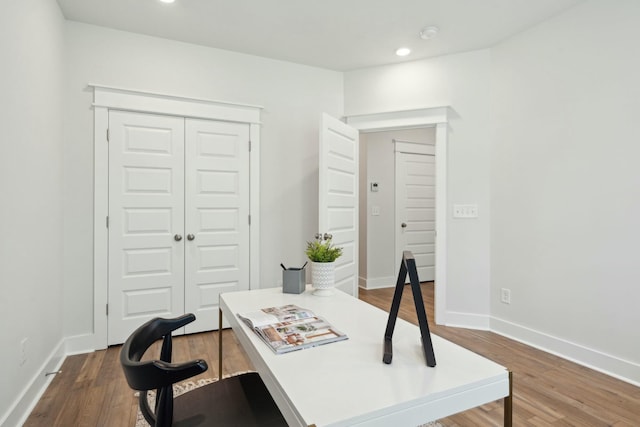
<point x="548" y="390"/>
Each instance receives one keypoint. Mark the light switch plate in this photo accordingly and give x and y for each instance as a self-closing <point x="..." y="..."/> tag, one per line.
<point x="465" y="211"/>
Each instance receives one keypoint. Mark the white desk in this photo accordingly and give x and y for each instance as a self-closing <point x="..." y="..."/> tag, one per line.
<point x="345" y="383"/>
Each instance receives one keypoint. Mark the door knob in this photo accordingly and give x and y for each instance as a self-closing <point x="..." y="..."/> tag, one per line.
<point x="177" y="237"/>
<point x="190" y="237"/>
<point x="403" y="225"/>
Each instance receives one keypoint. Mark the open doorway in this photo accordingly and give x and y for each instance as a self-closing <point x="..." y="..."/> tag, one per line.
<point x="397" y="204"/>
<point x="413" y="119"/>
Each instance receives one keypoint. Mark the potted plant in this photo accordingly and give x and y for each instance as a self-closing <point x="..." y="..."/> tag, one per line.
<point x="323" y="254"/>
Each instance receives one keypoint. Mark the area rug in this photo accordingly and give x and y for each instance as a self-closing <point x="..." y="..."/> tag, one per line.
<point x="187" y="386"/>
<point x="178" y="389"/>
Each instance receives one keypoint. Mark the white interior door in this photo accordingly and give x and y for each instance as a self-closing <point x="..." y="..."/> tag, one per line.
<point x="146" y="220"/>
<point x="338" y="196"/>
<point x="217" y="216"/>
<point x="416" y="210"/>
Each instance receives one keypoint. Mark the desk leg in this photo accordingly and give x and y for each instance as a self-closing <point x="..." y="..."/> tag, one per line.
<point x="219" y="344"/>
<point x="508" y="404"/>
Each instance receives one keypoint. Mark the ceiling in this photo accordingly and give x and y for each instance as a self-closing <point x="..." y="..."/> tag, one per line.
<point x="335" y="34"/>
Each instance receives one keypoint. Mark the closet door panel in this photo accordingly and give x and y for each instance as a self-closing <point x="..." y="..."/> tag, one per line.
<point x="146" y="213"/>
<point x="216" y="216"/>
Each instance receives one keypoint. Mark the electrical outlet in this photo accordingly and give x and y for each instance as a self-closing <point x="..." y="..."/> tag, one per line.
<point x="23" y="351"/>
<point x="505" y="295"/>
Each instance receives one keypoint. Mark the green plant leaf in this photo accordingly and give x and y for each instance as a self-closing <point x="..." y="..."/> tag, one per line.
<point x="322" y="251"/>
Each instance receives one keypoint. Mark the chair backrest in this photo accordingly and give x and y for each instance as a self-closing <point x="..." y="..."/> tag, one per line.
<point x="159" y="374"/>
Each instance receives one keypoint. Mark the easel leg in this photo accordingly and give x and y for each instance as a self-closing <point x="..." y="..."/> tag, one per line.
<point x="219" y="344"/>
<point x="508" y="404"/>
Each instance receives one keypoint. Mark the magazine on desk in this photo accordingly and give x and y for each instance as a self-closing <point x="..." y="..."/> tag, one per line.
<point x="290" y="328"/>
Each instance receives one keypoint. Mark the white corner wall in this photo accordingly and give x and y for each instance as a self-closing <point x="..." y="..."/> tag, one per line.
<point x="293" y="97"/>
<point x="31" y="221"/>
<point x="461" y="82"/>
<point x="565" y="184"/>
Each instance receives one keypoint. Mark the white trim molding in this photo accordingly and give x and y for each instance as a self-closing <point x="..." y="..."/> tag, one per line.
<point x="28" y="397"/>
<point x="468" y="320"/>
<point x="404" y="119"/>
<point x="107" y="98"/>
<point x="79" y="344"/>
<point x="158" y="103"/>
<point x="621" y="369"/>
<point x="411" y="119"/>
<point x="378" y="282"/>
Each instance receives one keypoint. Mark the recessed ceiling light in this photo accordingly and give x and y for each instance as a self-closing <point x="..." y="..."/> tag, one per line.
<point x="403" y="51"/>
<point x="167" y="1"/>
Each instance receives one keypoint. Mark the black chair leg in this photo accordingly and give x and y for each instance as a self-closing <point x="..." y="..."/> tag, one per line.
<point x="164" y="407"/>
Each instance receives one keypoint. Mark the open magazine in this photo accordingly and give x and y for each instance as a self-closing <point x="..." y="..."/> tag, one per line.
<point x="290" y="328"/>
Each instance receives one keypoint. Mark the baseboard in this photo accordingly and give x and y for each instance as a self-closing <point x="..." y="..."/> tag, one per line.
<point x="467" y="320"/>
<point x="33" y="391"/>
<point x="79" y="344"/>
<point x="362" y="282"/>
<point x="607" y="364"/>
<point x="377" y="283"/>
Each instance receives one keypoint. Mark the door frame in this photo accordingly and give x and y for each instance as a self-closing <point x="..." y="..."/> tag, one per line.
<point x="107" y="98"/>
<point x="410" y="119"/>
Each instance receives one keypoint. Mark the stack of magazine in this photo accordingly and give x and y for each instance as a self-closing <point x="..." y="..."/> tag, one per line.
<point x="290" y="328"/>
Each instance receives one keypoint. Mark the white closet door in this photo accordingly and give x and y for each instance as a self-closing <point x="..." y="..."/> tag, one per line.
<point x="217" y="216"/>
<point x="146" y="220"/>
<point x="416" y="211"/>
<point x="338" y="196"/>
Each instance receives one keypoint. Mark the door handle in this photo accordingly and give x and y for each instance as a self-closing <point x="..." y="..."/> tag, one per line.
<point x="177" y="237"/>
<point x="190" y="237"/>
<point x="403" y="225"/>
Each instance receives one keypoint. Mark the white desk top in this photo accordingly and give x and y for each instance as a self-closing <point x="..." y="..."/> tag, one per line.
<point x="346" y="383"/>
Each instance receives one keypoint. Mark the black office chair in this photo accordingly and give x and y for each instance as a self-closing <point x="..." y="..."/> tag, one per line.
<point x="241" y="400"/>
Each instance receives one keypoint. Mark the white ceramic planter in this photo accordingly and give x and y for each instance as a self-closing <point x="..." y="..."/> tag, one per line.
<point x="323" y="278"/>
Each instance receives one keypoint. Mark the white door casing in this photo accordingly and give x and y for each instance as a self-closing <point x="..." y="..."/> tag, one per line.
<point x="415" y="208"/>
<point x="338" y="196"/>
<point x="146" y="220"/>
<point x="106" y="99"/>
<point x="216" y="216"/>
<point x="410" y="119"/>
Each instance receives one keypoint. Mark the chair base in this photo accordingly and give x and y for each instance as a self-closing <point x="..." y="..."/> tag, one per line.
<point x="241" y="400"/>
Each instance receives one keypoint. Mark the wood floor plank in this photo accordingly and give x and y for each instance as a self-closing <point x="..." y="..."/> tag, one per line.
<point x="56" y="395"/>
<point x="548" y="390"/>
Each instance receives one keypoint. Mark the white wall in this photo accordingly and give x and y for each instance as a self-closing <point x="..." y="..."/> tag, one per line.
<point x="461" y="82"/>
<point x="563" y="180"/>
<point x="544" y="131"/>
<point x="293" y="95"/>
<point x="31" y="48"/>
<point x="379" y="157"/>
<point x="565" y="185"/>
